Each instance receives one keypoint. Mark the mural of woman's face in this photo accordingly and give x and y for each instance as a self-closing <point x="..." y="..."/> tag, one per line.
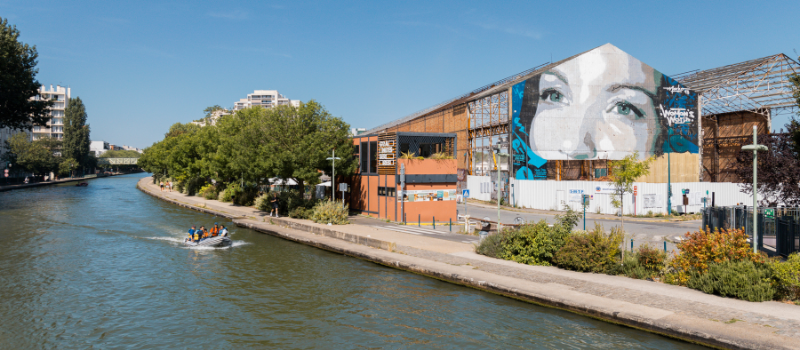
<point x="599" y="105"/>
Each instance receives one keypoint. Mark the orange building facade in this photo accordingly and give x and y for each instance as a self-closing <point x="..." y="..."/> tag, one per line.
<point x="406" y="177"/>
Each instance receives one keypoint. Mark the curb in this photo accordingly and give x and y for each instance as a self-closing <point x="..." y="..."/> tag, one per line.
<point x="681" y="327"/>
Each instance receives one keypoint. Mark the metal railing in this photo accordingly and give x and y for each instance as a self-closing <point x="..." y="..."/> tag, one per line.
<point x="778" y="228"/>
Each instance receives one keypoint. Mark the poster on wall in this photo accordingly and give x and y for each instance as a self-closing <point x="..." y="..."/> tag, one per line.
<point x="428" y="196"/>
<point x="650" y="201"/>
<point x="603" y="104"/>
<point x="575" y="195"/>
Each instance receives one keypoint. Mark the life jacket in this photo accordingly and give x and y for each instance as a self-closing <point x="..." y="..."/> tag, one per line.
<point x="214" y="231"/>
<point x="196" y="236"/>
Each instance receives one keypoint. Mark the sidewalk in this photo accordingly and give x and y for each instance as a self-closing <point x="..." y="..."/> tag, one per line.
<point x="44" y="183"/>
<point x="670" y="310"/>
<point x="589" y="215"/>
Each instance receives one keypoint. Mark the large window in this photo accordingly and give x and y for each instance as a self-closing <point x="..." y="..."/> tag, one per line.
<point x="364" y="158"/>
<point x="373" y="156"/>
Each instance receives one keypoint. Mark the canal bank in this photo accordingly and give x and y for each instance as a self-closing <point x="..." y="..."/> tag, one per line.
<point x="664" y="309"/>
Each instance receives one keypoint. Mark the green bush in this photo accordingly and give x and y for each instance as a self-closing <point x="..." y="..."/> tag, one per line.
<point x="192" y="185"/>
<point x="180" y="186"/>
<point x="246" y="196"/>
<point x="593" y="251"/>
<point x="325" y="212"/>
<point x="301" y="213"/>
<point x="208" y="192"/>
<point x="786" y="276"/>
<point x="742" y="279"/>
<point x="231" y="191"/>
<point x="262" y="202"/>
<point x="491" y="246"/>
<point x="646" y="262"/>
<point x="651" y="258"/>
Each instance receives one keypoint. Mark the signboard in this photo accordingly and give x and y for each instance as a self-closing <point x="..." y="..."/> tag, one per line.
<point x="635" y="190"/>
<point x="343" y="187"/>
<point x="575" y="195"/>
<point x="769" y="213"/>
<point x="6" y="172"/>
<point x="585" y="200"/>
<point x="604" y="190"/>
<point x="650" y="201"/>
<point x="427" y="196"/>
<point x="465" y="193"/>
<point x="387" y="150"/>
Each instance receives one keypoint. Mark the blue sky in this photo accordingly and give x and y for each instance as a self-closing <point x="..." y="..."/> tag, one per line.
<point x="140" y="66"/>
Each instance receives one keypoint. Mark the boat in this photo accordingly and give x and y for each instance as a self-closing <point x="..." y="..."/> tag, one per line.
<point x="82" y="184"/>
<point x="216" y="242"/>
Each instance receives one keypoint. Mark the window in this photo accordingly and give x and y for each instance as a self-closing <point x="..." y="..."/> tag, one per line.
<point x="356" y="153"/>
<point x="404" y="148"/>
<point x="364" y="158"/>
<point x="373" y="155"/>
<point x="386" y="191"/>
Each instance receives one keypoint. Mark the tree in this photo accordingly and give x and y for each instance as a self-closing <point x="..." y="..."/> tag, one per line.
<point x="623" y="173"/>
<point x="18" y="82"/>
<point x="120" y="154"/>
<point x="76" y="132"/>
<point x="67" y="166"/>
<point x="35" y="157"/>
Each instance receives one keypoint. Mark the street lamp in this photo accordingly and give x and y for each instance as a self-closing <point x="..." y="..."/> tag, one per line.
<point x="755" y="147"/>
<point x="333" y="159"/>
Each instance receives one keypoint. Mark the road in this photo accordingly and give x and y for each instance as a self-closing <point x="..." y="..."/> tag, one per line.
<point x="652" y="233"/>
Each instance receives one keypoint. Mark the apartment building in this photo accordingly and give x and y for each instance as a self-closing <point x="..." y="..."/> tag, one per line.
<point x="99" y="147"/>
<point x="264" y="98"/>
<point x="55" y="126"/>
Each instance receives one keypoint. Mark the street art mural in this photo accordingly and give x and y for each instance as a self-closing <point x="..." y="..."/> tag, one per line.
<point x="603" y="104"/>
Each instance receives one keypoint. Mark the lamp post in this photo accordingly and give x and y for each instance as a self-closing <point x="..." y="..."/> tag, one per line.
<point x="755" y="147"/>
<point x="70" y="171"/>
<point x="333" y="159"/>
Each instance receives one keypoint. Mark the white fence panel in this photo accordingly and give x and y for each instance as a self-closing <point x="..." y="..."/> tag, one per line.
<point x="553" y="195"/>
<point x="480" y="187"/>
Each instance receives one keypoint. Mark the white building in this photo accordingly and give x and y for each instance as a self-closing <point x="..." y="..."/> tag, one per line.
<point x="55" y="126"/>
<point x="98" y="147"/>
<point x="131" y="148"/>
<point x="266" y="99"/>
<point x="212" y="120"/>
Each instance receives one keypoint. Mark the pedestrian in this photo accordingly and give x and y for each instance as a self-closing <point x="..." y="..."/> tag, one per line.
<point x="169" y="184"/>
<point x="274" y="202"/>
<point x="26" y="180"/>
<point x="162" y="186"/>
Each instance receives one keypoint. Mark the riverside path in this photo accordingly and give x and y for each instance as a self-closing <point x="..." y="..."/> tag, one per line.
<point x="660" y="308"/>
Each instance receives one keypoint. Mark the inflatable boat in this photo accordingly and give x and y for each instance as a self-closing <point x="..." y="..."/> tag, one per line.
<point x="218" y="241"/>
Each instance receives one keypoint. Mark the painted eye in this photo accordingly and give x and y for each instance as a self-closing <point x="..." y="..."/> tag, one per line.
<point x="625" y="108"/>
<point x="552" y="95"/>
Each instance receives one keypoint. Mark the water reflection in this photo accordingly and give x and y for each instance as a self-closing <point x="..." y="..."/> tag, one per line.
<point x="103" y="266"/>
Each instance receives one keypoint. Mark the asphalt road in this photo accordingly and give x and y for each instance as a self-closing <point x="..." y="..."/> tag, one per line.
<point x="652" y="233"/>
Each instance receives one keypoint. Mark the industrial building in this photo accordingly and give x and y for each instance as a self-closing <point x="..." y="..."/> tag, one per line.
<point x="563" y="121"/>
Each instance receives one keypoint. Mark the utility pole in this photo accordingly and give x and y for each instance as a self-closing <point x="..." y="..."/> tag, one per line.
<point x="669" y="186"/>
<point x="333" y="159"/>
<point x="755" y="147"/>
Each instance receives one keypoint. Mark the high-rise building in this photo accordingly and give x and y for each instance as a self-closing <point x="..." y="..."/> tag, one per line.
<point x="55" y="126"/>
<point x="266" y="99"/>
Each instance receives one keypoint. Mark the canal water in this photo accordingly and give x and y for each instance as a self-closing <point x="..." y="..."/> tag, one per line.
<point x="101" y="266"/>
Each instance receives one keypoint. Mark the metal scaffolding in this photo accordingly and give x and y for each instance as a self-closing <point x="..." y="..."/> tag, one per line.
<point x="760" y="86"/>
<point x="735" y="97"/>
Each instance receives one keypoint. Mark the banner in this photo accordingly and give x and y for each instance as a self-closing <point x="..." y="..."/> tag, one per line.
<point x="428" y="196"/>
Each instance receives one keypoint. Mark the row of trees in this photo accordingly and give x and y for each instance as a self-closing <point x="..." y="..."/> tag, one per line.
<point x="254" y="144"/>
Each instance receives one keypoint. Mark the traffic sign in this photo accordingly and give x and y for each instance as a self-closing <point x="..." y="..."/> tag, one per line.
<point x="465" y="193"/>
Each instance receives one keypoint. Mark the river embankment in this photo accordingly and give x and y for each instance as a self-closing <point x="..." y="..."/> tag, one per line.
<point x="655" y="307"/>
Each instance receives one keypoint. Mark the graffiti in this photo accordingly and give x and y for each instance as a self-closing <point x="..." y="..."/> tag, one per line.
<point x="603" y="104"/>
<point x="678" y="90"/>
<point x="677" y="115"/>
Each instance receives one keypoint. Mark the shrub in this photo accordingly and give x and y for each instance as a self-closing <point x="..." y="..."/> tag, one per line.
<point x="208" y="192"/>
<point x="651" y="258"/>
<point x="180" y="186"/>
<point x="330" y="212"/>
<point x="702" y="248"/>
<point x="246" y="196"/>
<point x="262" y="202"/>
<point x="593" y="251"/>
<point x="192" y="185"/>
<point x="289" y="200"/>
<point x="787" y="277"/>
<point x="231" y="191"/>
<point x="491" y="246"/>
<point x="301" y="213"/>
<point x="741" y="279"/>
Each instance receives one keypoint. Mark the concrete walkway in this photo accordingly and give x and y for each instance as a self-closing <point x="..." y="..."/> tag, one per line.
<point x="665" y="309"/>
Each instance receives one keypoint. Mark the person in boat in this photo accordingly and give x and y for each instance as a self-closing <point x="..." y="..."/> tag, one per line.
<point x="203" y="233"/>
<point x="223" y="232"/>
<point x="191" y="234"/>
<point x="214" y="231"/>
<point x="197" y="235"/>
